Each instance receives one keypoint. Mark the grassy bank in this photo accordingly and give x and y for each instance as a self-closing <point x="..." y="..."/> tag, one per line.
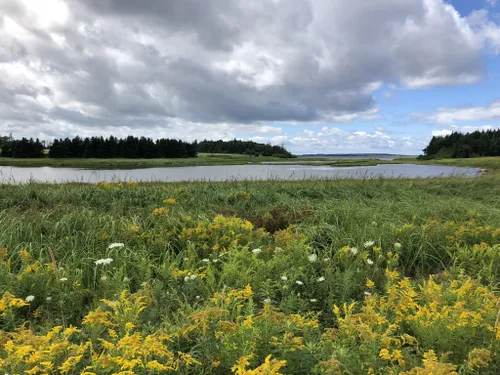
<point x="490" y="163"/>
<point x="201" y="160"/>
<point x="309" y="277"/>
<point x="487" y="162"/>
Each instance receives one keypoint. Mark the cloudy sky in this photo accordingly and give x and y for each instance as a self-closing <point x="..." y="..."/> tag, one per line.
<point x="319" y="76"/>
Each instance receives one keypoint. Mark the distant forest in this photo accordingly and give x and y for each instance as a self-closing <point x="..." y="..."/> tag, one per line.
<point x="131" y="148"/>
<point x="458" y="145"/>
<point x="243" y="147"/>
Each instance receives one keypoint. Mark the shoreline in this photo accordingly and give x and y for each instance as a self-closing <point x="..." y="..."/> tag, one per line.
<point x="487" y="164"/>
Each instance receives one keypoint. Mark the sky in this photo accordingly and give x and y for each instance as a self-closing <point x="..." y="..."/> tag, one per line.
<point x="317" y="76"/>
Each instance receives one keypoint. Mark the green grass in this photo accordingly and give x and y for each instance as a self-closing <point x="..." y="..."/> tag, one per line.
<point x="44" y="215"/>
<point x="201" y="160"/>
<point x="490" y="163"/>
<point x="446" y="227"/>
<point x="487" y="162"/>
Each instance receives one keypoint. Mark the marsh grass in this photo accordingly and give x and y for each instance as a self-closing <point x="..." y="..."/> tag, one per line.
<point x="193" y="249"/>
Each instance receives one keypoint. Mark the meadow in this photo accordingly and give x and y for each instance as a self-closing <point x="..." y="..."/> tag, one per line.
<point x="385" y="276"/>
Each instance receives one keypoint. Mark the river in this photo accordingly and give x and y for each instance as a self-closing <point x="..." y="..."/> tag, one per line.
<point x="228" y="172"/>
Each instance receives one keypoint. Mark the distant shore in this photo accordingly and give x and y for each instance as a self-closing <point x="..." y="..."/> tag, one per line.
<point x="232" y="159"/>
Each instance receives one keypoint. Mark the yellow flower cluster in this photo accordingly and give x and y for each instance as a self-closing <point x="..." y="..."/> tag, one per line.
<point x="113" y="344"/>
<point x="434" y="311"/>
<point x="269" y="367"/>
<point x="9" y="303"/>
<point x="454" y="233"/>
<point x="218" y="235"/>
<point x="160" y="211"/>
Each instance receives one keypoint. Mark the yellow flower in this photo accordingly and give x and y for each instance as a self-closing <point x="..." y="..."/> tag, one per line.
<point x="160" y="211"/>
<point x="170" y="201"/>
<point x="384" y="354"/>
<point x="478" y="358"/>
<point x="370" y="284"/>
<point x="25" y="255"/>
<point x="392" y="275"/>
<point x="133" y="228"/>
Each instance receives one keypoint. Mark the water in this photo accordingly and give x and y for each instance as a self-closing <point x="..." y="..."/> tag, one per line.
<point x="229" y="172"/>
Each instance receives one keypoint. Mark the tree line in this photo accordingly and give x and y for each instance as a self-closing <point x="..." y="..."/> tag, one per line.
<point x="459" y="145"/>
<point x="243" y="147"/>
<point x="23" y="148"/>
<point x="130" y="148"/>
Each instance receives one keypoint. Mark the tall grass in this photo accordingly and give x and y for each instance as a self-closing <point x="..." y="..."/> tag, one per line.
<point x="302" y="247"/>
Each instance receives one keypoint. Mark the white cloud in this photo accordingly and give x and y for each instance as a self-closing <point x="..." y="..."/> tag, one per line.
<point x="478" y="113"/>
<point x="308" y="133"/>
<point x="462" y="129"/>
<point x="337" y="141"/>
<point x="175" y="68"/>
<point x="485" y="28"/>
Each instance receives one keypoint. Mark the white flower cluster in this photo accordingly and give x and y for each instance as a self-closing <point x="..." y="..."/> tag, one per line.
<point x="192" y="277"/>
<point x="312" y="258"/>
<point x="103" y="261"/>
<point x="116" y="244"/>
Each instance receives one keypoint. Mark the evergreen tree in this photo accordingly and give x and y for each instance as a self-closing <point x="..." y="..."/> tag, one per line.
<point x="458" y="145"/>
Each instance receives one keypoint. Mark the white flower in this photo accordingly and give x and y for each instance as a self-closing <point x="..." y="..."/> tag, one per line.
<point x="267" y="300"/>
<point x="192" y="277"/>
<point x="197" y="297"/>
<point x="205" y="260"/>
<point x="284" y="278"/>
<point x="103" y="261"/>
<point x="116" y="244"/>
<point x="298" y="282"/>
<point x="354" y="250"/>
<point x="314" y="300"/>
<point x="256" y="251"/>
<point x="278" y="250"/>
<point x="369" y="261"/>
<point x="320" y="279"/>
<point x="48" y="299"/>
<point x="186" y="279"/>
<point x="397" y="245"/>
<point x="63" y="279"/>
<point x="369" y="243"/>
<point x="215" y="260"/>
<point x="30" y="299"/>
<point x="126" y="279"/>
<point x="312" y="258"/>
<point x="368" y="294"/>
<point x="326" y="259"/>
<point x="104" y="278"/>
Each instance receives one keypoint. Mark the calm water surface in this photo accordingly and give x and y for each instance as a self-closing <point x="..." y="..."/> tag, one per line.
<point x="229" y="172"/>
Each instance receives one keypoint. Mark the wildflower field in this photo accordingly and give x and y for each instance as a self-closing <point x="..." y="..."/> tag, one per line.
<point x="307" y="277"/>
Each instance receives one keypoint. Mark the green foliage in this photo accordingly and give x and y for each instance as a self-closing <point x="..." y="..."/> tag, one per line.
<point x="458" y="145"/>
<point x="243" y="147"/>
<point x="321" y="277"/>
